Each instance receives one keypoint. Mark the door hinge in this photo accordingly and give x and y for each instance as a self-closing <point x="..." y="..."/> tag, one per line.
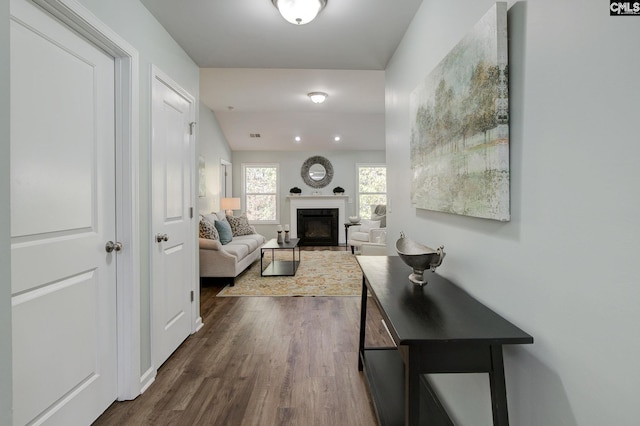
<point x="192" y="125"/>
<point x="193" y="296"/>
<point x="191" y="212"/>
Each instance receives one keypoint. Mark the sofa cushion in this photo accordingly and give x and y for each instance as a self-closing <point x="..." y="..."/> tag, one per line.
<point x="208" y="230"/>
<point x="224" y="230"/>
<point x="252" y="242"/>
<point x="240" y="251"/>
<point x="240" y="225"/>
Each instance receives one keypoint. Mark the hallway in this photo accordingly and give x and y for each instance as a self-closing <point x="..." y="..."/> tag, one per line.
<point x="262" y="361"/>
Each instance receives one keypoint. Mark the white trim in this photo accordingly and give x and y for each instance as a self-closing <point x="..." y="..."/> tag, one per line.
<point x="148" y="377"/>
<point x="198" y="323"/>
<point x="126" y="58"/>
<point x="244" y="190"/>
<point x="318" y="202"/>
<point x="357" y="187"/>
<point x="226" y="181"/>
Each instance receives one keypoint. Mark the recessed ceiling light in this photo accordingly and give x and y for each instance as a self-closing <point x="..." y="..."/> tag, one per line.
<point x="337" y="139"/>
<point x="317" y="97"/>
<point x="298" y="139"/>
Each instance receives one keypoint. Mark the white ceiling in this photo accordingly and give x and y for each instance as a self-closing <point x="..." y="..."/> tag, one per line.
<point x="254" y="61"/>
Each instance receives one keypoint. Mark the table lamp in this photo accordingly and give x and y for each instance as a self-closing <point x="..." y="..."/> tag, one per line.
<point x="229" y="205"/>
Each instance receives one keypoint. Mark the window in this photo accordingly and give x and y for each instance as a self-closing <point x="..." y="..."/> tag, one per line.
<point x="260" y="188"/>
<point x="372" y="187"/>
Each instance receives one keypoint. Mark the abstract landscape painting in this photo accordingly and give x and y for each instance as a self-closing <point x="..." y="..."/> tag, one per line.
<point x="460" y="126"/>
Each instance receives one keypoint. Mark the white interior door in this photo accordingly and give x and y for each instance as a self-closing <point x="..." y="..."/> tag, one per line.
<point x="174" y="240"/>
<point x="62" y="214"/>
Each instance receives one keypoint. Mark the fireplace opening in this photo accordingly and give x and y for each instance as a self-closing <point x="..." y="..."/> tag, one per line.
<point x="318" y="227"/>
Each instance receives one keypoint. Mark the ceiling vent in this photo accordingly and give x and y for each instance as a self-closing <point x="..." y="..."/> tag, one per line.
<point x="254" y="135"/>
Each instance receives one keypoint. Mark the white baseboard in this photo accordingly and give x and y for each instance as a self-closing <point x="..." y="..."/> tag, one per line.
<point x="147" y="379"/>
<point x="198" y="325"/>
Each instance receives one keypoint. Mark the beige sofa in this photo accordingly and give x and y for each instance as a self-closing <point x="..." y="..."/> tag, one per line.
<point x="229" y="260"/>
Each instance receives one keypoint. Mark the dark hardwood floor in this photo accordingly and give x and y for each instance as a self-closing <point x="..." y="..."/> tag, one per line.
<point x="262" y="361"/>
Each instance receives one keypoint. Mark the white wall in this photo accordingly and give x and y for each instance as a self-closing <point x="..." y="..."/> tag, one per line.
<point x="6" y="393"/>
<point x="564" y="269"/>
<point x="134" y="23"/>
<point x="213" y="147"/>
<point x="344" y="174"/>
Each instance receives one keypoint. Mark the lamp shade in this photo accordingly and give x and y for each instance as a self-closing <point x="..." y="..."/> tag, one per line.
<point x="299" y="12"/>
<point x="230" y="203"/>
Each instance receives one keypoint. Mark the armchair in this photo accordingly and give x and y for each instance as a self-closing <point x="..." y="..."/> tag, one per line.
<point x="368" y="230"/>
<point x="378" y="244"/>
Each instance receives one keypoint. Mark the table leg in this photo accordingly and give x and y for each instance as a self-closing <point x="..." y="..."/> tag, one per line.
<point x="363" y="322"/>
<point x="346" y="237"/>
<point x="411" y="389"/>
<point x="498" y="388"/>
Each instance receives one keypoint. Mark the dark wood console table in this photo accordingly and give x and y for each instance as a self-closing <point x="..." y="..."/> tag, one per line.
<point x="438" y="328"/>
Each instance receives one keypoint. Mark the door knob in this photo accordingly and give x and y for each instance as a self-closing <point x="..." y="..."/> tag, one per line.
<point x="111" y="246"/>
<point x="162" y="237"/>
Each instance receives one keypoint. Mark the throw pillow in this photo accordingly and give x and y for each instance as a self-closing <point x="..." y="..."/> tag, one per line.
<point x="367" y="225"/>
<point x="208" y="230"/>
<point x="380" y="213"/>
<point x="212" y="217"/>
<point x="224" y="230"/>
<point x="381" y="218"/>
<point x="240" y="225"/>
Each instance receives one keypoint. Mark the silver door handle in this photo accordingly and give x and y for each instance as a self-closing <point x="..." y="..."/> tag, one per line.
<point x="162" y="237"/>
<point x="111" y="246"/>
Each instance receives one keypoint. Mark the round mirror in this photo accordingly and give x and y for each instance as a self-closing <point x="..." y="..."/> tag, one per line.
<point x="317" y="172"/>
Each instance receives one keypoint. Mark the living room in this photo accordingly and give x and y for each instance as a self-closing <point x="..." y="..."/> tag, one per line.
<point x="573" y="144"/>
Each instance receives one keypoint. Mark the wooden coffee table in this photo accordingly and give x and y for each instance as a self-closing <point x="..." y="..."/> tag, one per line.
<point x="280" y="268"/>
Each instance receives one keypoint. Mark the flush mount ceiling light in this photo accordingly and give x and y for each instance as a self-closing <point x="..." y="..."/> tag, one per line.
<point x="299" y="12"/>
<point x="317" y="97"/>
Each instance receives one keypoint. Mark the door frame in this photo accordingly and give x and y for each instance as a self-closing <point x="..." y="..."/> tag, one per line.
<point x="196" y="320"/>
<point x="83" y="21"/>
<point x="226" y="179"/>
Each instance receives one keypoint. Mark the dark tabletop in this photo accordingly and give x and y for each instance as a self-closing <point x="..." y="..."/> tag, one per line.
<point x="273" y="244"/>
<point x="438" y="312"/>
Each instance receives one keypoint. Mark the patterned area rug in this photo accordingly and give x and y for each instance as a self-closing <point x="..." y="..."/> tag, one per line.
<point x="321" y="273"/>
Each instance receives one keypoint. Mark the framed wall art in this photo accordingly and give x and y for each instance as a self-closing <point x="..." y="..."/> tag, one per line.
<point x="460" y="126"/>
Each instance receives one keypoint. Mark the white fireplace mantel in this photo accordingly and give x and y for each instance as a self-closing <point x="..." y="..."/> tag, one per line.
<point x="318" y="202"/>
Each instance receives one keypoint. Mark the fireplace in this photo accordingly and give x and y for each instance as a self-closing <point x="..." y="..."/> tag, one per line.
<point x="297" y="202"/>
<point x="317" y="227"/>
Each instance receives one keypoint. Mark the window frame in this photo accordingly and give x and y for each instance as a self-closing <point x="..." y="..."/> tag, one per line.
<point x="357" y="191"/>
<point x="246" y="166"/>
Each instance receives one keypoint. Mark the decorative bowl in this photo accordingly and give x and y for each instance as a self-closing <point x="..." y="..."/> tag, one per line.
<point x="354" y="219"/>
<point x="419" y="257"/>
